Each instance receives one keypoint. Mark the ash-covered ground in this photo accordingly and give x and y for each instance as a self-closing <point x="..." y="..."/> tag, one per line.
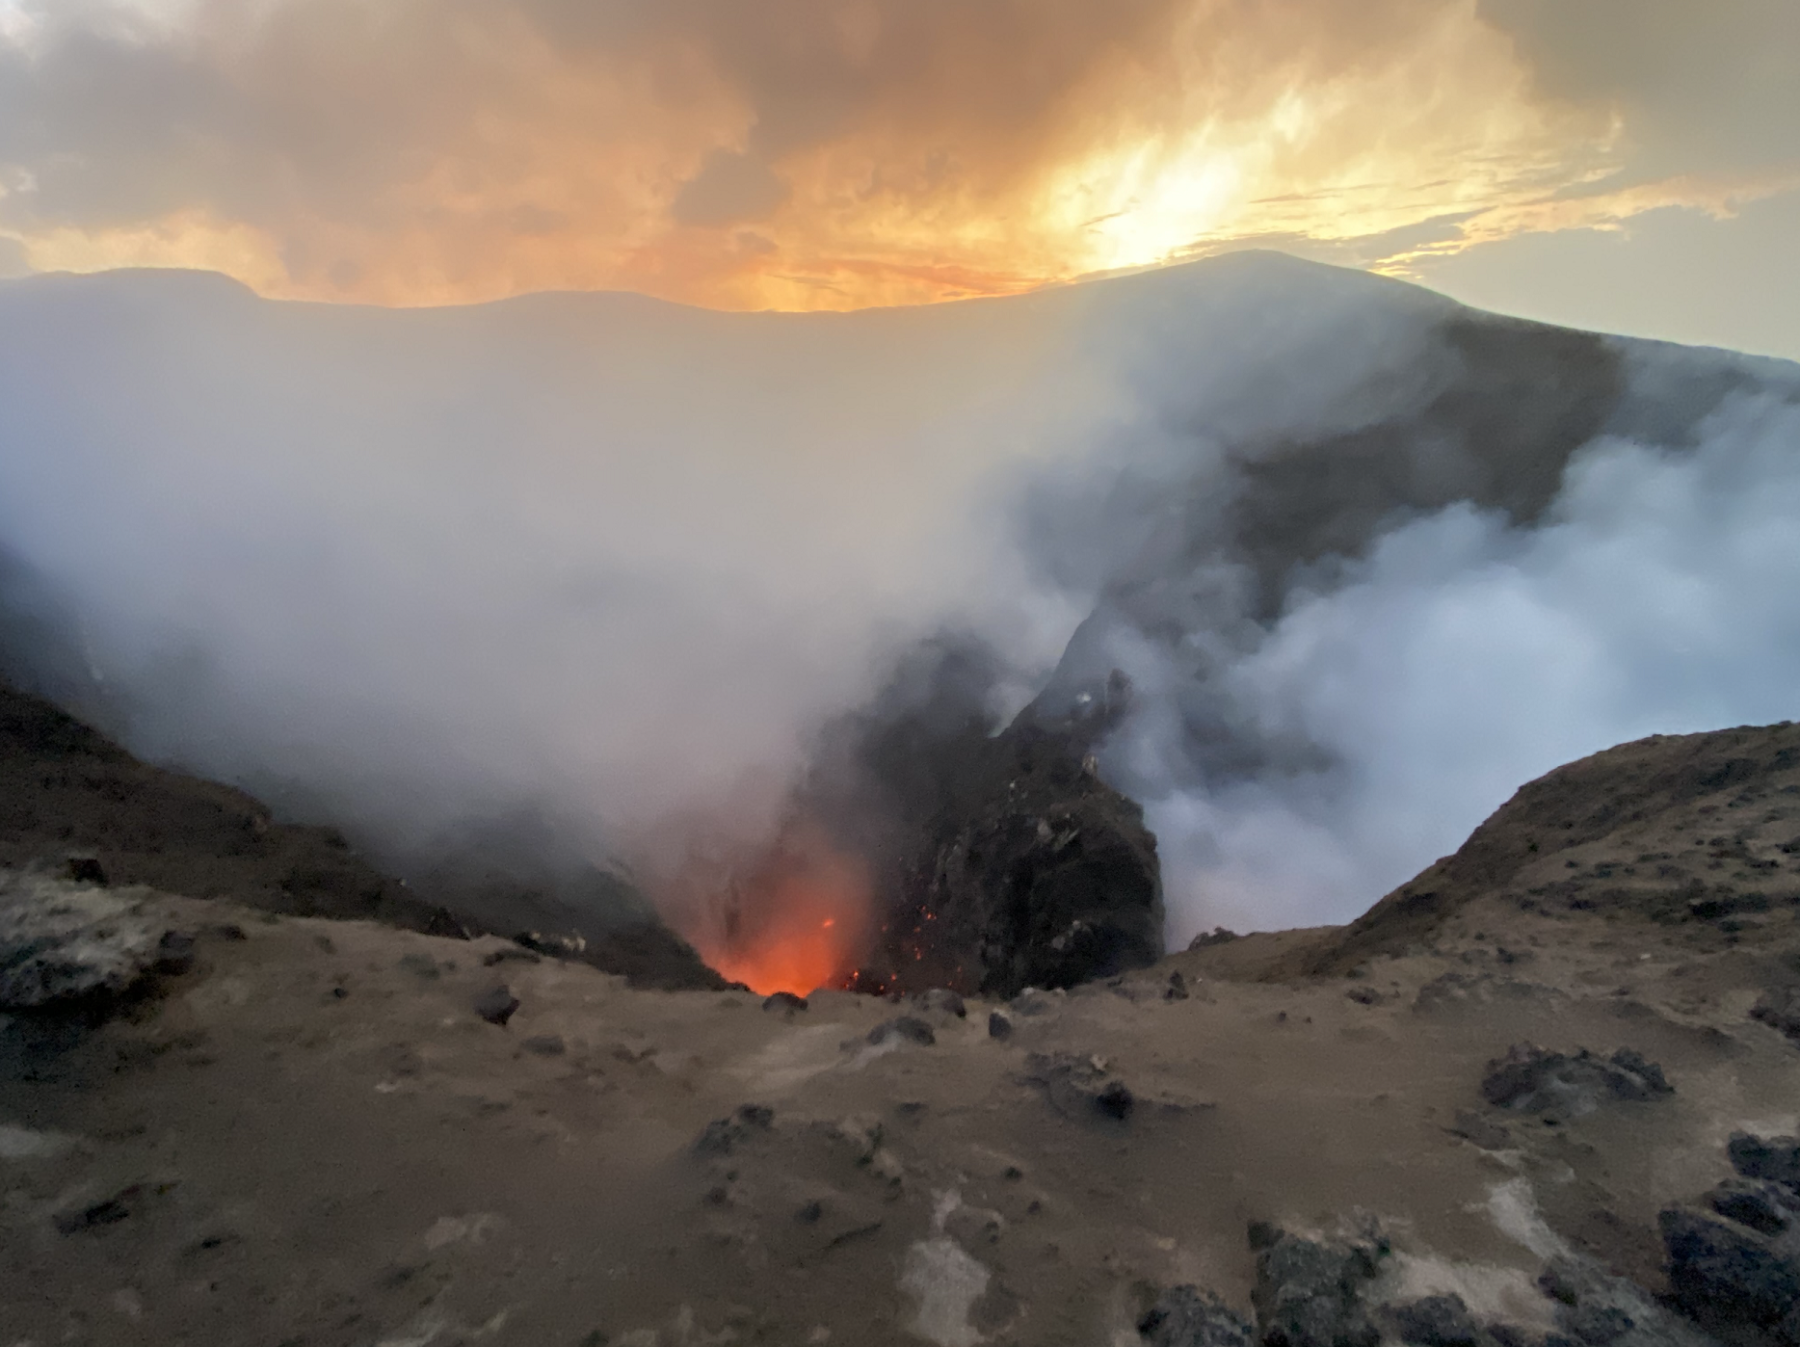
<point x="1545" y="1093"/>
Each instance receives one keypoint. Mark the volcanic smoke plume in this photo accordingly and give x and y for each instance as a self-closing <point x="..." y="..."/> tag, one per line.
<point x="596" y="582"/>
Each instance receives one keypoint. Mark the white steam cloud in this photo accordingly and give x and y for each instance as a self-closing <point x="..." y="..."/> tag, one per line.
<point x="615" y="562"/>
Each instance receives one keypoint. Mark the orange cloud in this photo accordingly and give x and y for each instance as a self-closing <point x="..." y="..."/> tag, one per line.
<point x="785" y="153"/>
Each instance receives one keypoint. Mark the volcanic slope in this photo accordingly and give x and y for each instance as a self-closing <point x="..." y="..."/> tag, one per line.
<point x="67" y="789"/>
<point x="334" y="1132"/>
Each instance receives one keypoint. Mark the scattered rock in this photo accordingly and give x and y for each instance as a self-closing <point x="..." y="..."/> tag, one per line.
<point x="1530" y="1079"/>
<point x="1596" y="1307"/>
<point x="510" y="953"/>
<point x="1776" y="1159"/>
<point x="1177" y="990"/>
<point x="999" y="1026"/>
<point x="61" y="943"/>
<point x="1768" y="1208"/>
<point x="784" y="1001"/>
<point x="571" y="946"/>
<point x="1079" y="1087"/>
<point x="545" y="1045"/>
<point x="84" y="869"/>
<point x="1207" y="939"/>
<point x="109" y="1211"/>
<point x="174" y="954"/>
<point x="1779" y="1008"/>
<point x="1309" y="1293"/>
<point x="496" y="1005"/>
<point x="1186" y="1316"/>
<point x="1722" y="1273"/>
<point x="1436" y="1321"/>
<point x="1115" y="1101"/>
<point x="1364" y="996"/>
<point x="724" y="1135"/>
<point x="1596" y="1324"/>
<point x="944" y="1000"/>
<point x="1483" y="1132"/>
<point x="908" y="1027"/>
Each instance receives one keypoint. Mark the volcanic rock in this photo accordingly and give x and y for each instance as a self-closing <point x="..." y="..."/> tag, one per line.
<point x="1079" y="1087"/>
<point x="1779" y="1008"/>
<point x="1774" y="1158"/>
<point x="1436" y="1321"/>
<point x="943" y="1000"/>
<point x="1530" y="1079"/>
<point x="724" y="1135"/>
<point x="1767" y="1208"/>
<point x="1309" y="1293"/>
<point x="1186" y="1316"/>
<point x="496" y="1005"/>
<point x="1001" y="860"/>
<point x="998" y="1025"/>
<point x="909" y="1028"/>
<point x="60" y="942"/>
<point x="1722" y="1273"/>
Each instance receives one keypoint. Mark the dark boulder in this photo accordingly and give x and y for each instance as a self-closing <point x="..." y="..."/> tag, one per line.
<point x="1185" y="1316"/>
<point x="1309" y="1293"/>
<point x="1767" y="1208"/>
<point x="1724" y="1274"/>
<point x="496" y="1005"/>
<point x="1776" y="1159"/>
<point x="1436" y="1321"/>
<point x="1530" y="1079"/>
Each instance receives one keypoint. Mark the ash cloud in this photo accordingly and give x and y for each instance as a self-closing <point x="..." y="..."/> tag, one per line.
<point x="1369" y="560"/>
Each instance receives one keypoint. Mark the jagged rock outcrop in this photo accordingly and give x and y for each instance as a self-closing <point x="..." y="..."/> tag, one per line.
<point x="1000" y="859"/>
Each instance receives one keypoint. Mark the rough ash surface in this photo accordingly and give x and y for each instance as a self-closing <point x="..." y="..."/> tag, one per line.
<point x="66" y="791"/>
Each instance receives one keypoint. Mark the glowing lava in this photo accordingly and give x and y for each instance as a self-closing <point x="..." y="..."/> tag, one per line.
<point x="797" y="922"/>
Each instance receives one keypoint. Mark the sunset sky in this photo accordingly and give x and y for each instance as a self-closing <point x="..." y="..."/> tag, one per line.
<point x="1629" y="165"/>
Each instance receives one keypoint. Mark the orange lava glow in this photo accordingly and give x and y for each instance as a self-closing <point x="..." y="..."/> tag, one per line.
<point x="797" y="922"/>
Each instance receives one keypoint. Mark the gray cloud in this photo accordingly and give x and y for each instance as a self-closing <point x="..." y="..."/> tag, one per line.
<point x="1702" y="88"/>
